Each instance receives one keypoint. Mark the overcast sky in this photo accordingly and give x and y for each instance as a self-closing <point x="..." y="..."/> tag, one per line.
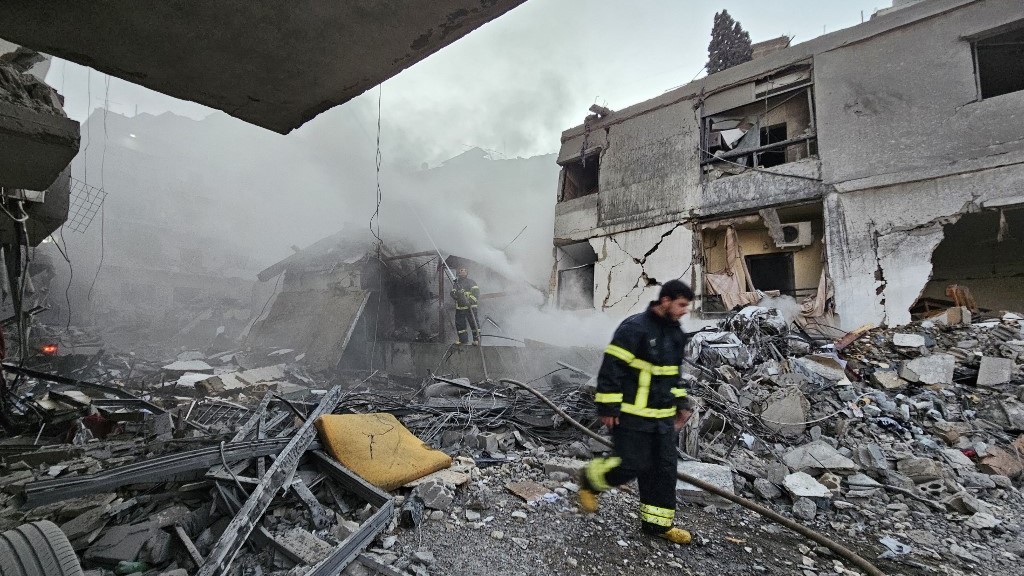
<point x="514" y="84"/>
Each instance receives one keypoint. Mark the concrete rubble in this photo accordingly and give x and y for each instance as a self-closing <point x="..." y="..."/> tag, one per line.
<point x="867" y="439"/>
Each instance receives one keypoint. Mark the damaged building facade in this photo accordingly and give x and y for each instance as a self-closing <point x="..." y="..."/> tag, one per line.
<point x="869" y="173"/>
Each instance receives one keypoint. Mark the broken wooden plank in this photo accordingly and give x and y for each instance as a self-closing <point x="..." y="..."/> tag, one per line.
<point x="352" y="546"/>
<point x="254" y="419"/>
<point x="278" y="476"/>
<point x="260" y="536"/>
<point x="190" y="547"/>
<point x="322" y="517"/>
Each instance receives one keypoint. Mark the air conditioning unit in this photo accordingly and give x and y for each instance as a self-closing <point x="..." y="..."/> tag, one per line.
<point x="796" y="234"/>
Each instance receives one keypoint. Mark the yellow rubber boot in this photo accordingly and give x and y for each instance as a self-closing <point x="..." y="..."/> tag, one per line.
<point x="677" y="535"/>
<point x="588" y="500"/>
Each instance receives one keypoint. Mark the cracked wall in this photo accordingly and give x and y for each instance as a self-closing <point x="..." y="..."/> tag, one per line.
<point x="648" y="173"/>
<point x="632" y="265"/>
<point x="880" y="241"/>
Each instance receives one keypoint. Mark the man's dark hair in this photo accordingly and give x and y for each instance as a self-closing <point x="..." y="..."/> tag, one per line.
<point x="674" y="289"/>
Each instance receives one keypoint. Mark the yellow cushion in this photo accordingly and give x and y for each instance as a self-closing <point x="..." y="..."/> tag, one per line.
<point x="379" y="449"/>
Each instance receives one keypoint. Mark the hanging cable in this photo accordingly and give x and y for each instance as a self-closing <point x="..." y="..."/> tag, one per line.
<point x="375" y="219"/>
<point x="103" y="187"/>
<point x="71" y="272"/>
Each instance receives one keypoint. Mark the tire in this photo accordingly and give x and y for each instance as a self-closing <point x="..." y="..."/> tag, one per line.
<point x="37" y="549"/>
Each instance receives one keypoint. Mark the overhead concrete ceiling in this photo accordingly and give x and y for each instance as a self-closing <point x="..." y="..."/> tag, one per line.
<point x="274" y="64"/>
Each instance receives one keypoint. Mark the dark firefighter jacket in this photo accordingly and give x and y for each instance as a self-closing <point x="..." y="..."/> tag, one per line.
<point x="465" y="293"/>
<point x="639" y="378"/>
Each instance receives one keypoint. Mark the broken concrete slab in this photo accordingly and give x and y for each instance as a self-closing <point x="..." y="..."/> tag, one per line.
<point x="888" y="380"/>
<point x="819" y="456"/>
<point x="1001" y="462"/>
<point x="957" y="459"/>
<point x="304" y="544"/>
<point x="528" y="490"/>
<point x="862" y="481"/>
<point x="785" y="411"/>
<point x="951" y="432"/>
<point x="85" y="525"/>
<point x="183" y="366"/>
<point x="121" y="543"/>
<point x="803" y="485"/>
<point x="436" y="494"/>
<point x="821" y="369"/>
<point x="993" y="371"/>
<point x="920" y="470"/>
<point x="447" y="476"/>
<point x="266" y="374"/>
<point x="983" y="521"/>
<point x="934" y="369"/>
<point x="965" y="503"/>
<point x="159" y="548"/>
<point x="765" y="489"/>
<point x="570" y="466"/>
<point x="720" y="476"/>
<point x="805" y="509"/>
<point x="908" y="340"/>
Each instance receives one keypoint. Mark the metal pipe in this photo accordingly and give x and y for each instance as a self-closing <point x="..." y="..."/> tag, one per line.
<point x="804" y="531"/>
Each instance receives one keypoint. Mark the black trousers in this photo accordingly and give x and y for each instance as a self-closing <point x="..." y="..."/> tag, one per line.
<point x="466" y="325"/>
<point x="650" y="457"/>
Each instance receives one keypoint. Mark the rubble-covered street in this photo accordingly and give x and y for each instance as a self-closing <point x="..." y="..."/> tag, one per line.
<point x="905" y="444"/>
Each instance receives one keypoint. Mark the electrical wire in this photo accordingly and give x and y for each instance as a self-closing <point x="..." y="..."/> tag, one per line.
<point x="378" y="158"/>
<point x="103" y="187"/>
<point x="71" y="272"/>
<point x="269" y="298"/>
<point x="103" y="227"/>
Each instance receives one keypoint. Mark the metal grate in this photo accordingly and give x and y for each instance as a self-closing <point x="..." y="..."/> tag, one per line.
<point x="86" y="201"/>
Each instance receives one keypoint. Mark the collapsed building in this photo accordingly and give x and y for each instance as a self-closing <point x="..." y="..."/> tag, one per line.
<point x="38" y="141"/>
<point x="348" y="303"/>
<point x="872" y="173"/>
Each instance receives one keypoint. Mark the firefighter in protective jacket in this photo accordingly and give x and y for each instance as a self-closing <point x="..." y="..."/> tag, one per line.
<point x="466" y="295"/>
<point x="641" y="399"/>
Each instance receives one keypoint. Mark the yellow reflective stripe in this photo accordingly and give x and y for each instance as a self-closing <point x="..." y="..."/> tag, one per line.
<point x="620" y="353"/>
<point x="648" y="412"/>
<point x="597" y="469"/>
<point x="608" y="397"/>
<point x="646" y="370"/>
<point x="679" y="392"/>
<point x="657" y="515"/>
<point x="645" y="366"/>
<point x="643" y="388"/>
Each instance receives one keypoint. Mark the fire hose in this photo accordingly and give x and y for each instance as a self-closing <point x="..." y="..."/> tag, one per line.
<point x="775" y="517"/>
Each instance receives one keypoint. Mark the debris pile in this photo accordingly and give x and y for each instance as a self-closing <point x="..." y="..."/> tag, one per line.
<point x="911" y="437"/>
<point x="906" y="443"/>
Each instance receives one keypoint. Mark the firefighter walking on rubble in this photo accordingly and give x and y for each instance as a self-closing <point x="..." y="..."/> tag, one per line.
<point x="640" y="398"/>
<point x="466" y="294"/>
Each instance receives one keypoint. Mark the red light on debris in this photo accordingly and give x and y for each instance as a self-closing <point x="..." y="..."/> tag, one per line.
<point x="49" y="348"/>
